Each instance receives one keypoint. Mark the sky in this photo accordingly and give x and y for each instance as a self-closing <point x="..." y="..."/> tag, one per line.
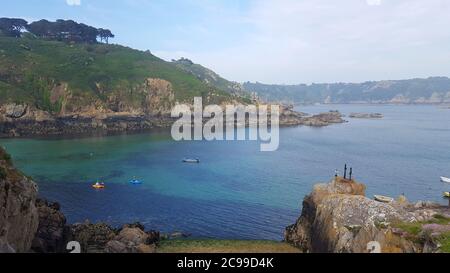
<point x="273" y="41"/>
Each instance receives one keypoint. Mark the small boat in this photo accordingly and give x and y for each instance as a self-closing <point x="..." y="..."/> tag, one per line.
<point x="99" y="185"/>
<point x="383" y="199"/>
<point x="445" y="179"/>
<point x="191" y="160"/>
<point x="447" y="194"/>
<point x="135" y="182"/>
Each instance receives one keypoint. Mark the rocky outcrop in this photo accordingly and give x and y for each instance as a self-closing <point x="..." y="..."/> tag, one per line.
<point x="133" y="240"/>
<point x="92" y="237"/>
<point x="148" y="106"/>
<point x="323" y="119"/>
<point x="52" y="231"/>
<point x="101" y="238"/>
<point x="160" y="97"/>
<point x="338" y="218"/>
<point x="18" y="213"/>
<point x="366" y="115"/>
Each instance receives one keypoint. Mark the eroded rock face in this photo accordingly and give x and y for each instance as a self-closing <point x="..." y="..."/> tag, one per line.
<point x="338" y="218"/>
<point x="160" y="97"/>
<point x="52" y="230"/>
<point x="18" y="213"/>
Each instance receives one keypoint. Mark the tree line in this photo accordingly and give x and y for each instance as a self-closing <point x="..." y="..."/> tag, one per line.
<point x="61" y="30"/>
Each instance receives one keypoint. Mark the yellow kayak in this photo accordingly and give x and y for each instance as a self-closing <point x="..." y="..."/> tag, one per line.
<point x="98" y="186"/>
<point x="447" y="194"/>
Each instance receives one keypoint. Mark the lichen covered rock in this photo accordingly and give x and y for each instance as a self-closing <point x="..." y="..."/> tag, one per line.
<point x="338" y="218"/>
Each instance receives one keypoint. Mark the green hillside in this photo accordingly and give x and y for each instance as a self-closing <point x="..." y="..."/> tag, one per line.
<point x="31" y="67"/>
<point x="211" y="78"/>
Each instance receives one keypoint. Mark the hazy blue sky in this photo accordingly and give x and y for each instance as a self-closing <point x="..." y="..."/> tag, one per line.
<point x="274" y="41"/>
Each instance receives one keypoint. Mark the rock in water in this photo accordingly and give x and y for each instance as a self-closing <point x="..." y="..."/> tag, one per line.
<point x="366" y="115"/>
<point x="18" y="213"/>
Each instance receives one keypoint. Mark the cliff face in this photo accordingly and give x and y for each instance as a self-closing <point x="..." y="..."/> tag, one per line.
<point x="117" y="113"/>
<point x="18" y="212"/>
<point x="338" y="218"/>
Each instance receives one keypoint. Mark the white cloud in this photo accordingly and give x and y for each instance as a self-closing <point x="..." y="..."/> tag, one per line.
<point x="373" y="2"/>
<point x="328" y="41"/>
<point x="73" y="2"/>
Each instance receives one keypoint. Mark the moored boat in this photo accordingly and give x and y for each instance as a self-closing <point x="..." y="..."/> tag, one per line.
<point x="135" y="182"/>
<point x="383" y="199"/>
<point x="445" y="179"/>
<point x="191" y="160"/>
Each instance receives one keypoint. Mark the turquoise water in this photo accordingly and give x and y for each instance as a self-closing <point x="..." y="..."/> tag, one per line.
<point x="237" y="191"/>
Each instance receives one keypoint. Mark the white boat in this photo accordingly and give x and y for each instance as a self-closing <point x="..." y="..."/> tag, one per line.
<point x="445" y="179"/>
<point x="191" y="160"/>
<point x="383" y="199"/>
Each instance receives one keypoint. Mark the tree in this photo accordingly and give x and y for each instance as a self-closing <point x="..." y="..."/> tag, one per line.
<point x="41" y="28"/>
<point x="105" y="34"/>
<point x="12" y="27"/>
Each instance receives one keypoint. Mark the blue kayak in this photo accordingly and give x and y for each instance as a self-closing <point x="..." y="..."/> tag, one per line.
<point x="135" y="182"/>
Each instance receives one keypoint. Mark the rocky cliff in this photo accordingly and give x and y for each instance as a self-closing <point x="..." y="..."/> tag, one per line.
<point x="338" y="218"/>
<point x="116" y="114"/>
<point x="18" y="213"/>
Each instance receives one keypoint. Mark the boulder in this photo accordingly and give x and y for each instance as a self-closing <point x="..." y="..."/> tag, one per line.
<point x="134" y="236"/>
<point x="52" y="230"/>
<point x="93" y="238"/>
<point x="15" y="110"/>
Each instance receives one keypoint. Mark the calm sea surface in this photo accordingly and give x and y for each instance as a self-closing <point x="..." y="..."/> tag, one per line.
<point x="237" y="191"/>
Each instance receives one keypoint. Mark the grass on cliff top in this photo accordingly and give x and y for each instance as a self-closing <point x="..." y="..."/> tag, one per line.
<point x="29" y="66"/>
<point x="224" y="246"/>
<point x="444" y="240"/>
<point x="416" y="227"/>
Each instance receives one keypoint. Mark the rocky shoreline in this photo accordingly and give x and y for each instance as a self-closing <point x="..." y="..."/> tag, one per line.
<point x="53" y="235"/>
<point x="25" y="121"/>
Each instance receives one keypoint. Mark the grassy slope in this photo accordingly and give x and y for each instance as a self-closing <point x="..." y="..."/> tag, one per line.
<point x="224" y="246"/>
<point x="28" y="66"/>
<point x="209" y="76"/>
<point x="415" y="231"/>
